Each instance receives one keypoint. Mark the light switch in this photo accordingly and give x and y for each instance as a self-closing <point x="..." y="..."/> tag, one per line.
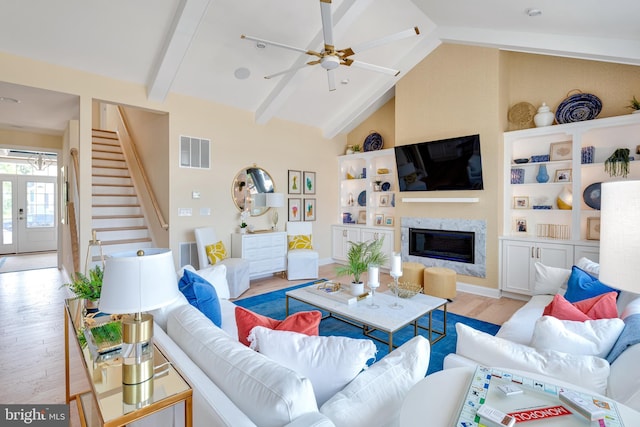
<point x="195" y="194"/>
<point x="184" y="212"/>
<point x="205" y="211"/>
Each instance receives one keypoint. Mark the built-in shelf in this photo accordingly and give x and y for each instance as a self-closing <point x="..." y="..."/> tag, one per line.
<point x="440" y="199"/>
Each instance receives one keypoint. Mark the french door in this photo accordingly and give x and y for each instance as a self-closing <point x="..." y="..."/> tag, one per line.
<point x="29" y="222"/>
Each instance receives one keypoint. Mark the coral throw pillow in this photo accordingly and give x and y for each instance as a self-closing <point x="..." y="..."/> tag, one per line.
<point x="301" y="241"/>
<point x="600" y="307"/>
<point x="304" y="322"/>
<point x="216" y="252"/>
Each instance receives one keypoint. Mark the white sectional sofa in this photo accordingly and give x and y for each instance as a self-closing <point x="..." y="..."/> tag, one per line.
<point x="517" y="343"/>
<point x="236" y="386"/>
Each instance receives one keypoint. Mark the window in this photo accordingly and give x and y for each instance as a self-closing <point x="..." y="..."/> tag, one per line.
<point x="194" y="152"/>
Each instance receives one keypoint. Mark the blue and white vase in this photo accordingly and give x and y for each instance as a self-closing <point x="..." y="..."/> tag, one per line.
<point x="542" y="176"/>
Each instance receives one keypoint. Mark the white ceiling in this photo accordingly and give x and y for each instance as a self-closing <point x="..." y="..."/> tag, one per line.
<point x="193" y="47"/>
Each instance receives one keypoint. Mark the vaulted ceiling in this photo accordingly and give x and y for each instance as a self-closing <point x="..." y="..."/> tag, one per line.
<point x="193" y="47"/>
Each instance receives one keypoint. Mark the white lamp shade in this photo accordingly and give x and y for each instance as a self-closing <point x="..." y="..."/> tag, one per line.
<point x="275" y="200"/>
<point x="133" y="283"/>
<point x="259" y="200"/>
<point x="620" y="235"/>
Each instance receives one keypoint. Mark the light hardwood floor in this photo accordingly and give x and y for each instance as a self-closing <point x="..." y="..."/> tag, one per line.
<point x="32" y="331"/>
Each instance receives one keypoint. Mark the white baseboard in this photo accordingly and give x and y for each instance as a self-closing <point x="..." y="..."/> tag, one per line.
<point x="478" y="290"/>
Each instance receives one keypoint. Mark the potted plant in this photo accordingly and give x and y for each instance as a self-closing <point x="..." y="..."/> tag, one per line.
<point x="359" y="257"/>
<point x="243" y="221"/>
<point x="88" y="287"/>
<point x="618" y="163"/>
<point x="634" y="105"/>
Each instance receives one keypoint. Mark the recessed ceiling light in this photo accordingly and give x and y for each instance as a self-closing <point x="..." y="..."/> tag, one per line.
<point x="261" y="45"/>
<point x="9" y="100"/>
<point x="344" y="81"/>
<point x="242" y="73"/>
<point x="533" y="12"/>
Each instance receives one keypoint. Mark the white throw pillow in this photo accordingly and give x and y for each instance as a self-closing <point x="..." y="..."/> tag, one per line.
<point x="591" y="337"/>
<point x="374" y="398"/>
<point x="329" y="362"/>
<point x="217" y="276"/>
<point x="549" y="280"/>
<point x="589" y="266"/>
<point x="590" y="372"/>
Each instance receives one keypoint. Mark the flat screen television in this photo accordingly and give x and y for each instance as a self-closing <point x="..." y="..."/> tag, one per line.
<point x="442" y="165"/>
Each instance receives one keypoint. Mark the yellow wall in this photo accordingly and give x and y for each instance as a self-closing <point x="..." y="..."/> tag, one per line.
<point x="382" y="121"/>
<point x="22" y="139"/>
<point x="460" y="90"/>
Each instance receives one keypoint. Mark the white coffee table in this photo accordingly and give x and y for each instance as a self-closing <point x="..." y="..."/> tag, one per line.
<point x="437" y="399"/>
<point x="384" y="318"/>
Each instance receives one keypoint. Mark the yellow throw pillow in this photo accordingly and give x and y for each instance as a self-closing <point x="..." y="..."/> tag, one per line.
<point x="301" y="241"/>
<point x="216" y="252"/>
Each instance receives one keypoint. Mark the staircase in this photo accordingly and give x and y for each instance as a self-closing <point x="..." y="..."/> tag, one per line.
<point x="116" y="214"/>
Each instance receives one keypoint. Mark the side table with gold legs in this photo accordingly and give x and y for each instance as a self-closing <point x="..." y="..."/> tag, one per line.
<point x="105" y="403"/>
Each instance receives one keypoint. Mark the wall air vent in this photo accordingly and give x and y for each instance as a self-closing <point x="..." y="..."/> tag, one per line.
<point x="194" y="152"/>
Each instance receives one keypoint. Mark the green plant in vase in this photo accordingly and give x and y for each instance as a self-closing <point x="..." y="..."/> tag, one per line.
<point x="360" y="256"/>
<point x="87" y="287"/>
<point x="618" y="163"/>
<point x="634" y="104"/>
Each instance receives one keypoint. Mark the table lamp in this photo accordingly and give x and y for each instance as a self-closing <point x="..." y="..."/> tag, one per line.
<point x="135" y="282"/>
<point x="275" y="200"/>
<point x="620" y="235"/>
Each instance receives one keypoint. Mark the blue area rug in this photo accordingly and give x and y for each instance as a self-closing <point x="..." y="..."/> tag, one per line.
<point x="272" y="305"/>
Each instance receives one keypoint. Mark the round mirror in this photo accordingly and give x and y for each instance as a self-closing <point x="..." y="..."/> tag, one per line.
<point x="249" y="189"/>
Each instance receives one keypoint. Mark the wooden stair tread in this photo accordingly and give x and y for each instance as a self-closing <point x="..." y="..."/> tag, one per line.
<point x="103" y="175"/>
<point x="125" y="241"/>
<point x="113" y="185"/>
<point x="133" y="227"/>
<point x="112" y="195"/>
<point x="117" y="216"/>
<point x="116" y="205"/>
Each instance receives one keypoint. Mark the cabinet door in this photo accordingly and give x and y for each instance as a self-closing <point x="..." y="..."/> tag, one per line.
<point x="368" y="234"/>
<point x="341" y="236"/>
<point x="517" y="265"/>
<point x="590" y="252"/>
<point x="554" y="255"/>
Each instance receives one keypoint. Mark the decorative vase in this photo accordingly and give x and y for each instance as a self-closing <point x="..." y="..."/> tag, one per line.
<point x="544" y="117"/>
<point x="91" y="306"/>
<point x="357" y="288"/>
<point x="243" y="230"/>
<point x="565" y="199"/>
<point x="542" y="176"/>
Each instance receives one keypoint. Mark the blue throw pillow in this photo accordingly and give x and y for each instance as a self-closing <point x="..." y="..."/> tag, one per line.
<point x="202" y="295"/>
<point x="582" y="285"/>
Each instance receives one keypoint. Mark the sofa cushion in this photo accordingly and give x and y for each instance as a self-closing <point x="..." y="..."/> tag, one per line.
<point x="600" y="307"/>
<point x="591" y="337"/>
<point x="590" y="372"/>
<point x="549" y="280"/>
<point x="304" y="322"/>
<point x="582" y="285"/>
<point x="519" y="327"/>
<point x="202" y="295"/>
<point x="629" y="336"/>
<point x="591" y="267"/>
<point x="217" y="276"/>
<point x="216" y="252"/>
<point x="374" y="398"/>
<point x="329" y="362"/>
<point x="267" y="392"/>
<point x="624" y="382"/>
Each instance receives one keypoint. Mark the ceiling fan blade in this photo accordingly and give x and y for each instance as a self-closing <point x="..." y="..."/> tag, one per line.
<point x="290" y="70"/>
<point x="327" y="23"/>
<point x="377" y="42"/>
<point x="284" y="46"/>
<point x="371" y="67"/>
<point x="332" y="80"/>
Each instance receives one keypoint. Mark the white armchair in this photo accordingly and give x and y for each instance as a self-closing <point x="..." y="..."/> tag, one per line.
<point x="301" y="263"/>
<point x="237" y="268"/>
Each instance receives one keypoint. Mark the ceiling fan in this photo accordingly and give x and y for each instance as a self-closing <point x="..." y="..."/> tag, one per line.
<point x="330" y="58"/>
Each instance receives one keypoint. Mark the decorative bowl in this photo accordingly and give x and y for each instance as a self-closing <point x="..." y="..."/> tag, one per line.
<point x="406" y="289"/>
<point x="520" y="161"/>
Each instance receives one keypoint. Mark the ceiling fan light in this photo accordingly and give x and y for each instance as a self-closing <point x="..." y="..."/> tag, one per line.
<point x="330" y="62"/>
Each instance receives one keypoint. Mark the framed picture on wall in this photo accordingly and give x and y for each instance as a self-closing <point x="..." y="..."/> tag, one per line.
<point x="520" y="225"/>
<point x="294" y="182"/>
<point x="309" y="182"/>
<point x="309" y="210"/>
<point x="362" y="217"/>
<point x="388" y="220"/>
<point x="593" y="228"/>
<point x="521" y="202"/>
<point x="560" y="151"/>
<point x="379" y="219"/>
<point x="295" y="210"/>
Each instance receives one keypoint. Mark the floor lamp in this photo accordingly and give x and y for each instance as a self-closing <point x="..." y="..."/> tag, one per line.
<point x="620" y="235"/>
<point x="133" y="283"/>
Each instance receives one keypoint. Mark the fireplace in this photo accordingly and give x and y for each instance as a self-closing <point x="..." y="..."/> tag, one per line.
<point x="450" y="245"/>
<point x="455" y="243"/>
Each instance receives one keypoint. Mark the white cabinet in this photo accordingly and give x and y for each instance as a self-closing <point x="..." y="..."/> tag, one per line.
<point x="368" y="187"/>
<point x="518" y="262"/>
<point x="342" y="235"/>
<point x="266" y="252"/>
<point x="584" y="251"/>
